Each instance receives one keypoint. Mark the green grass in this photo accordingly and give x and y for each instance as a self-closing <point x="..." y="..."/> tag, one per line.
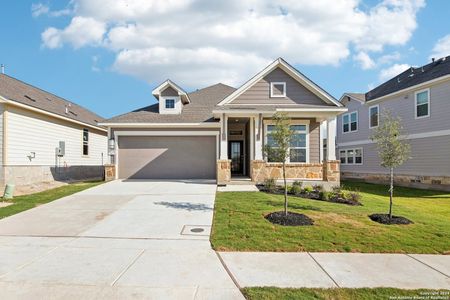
<point x="22" y="203"/>
<point x="270" y="293"/>
<point x="239" y="223"/>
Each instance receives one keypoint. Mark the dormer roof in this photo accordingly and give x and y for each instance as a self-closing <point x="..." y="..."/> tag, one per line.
<point x="168" y="83"/>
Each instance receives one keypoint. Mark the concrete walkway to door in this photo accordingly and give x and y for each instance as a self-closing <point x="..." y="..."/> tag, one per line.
<point x="123" y="239"/>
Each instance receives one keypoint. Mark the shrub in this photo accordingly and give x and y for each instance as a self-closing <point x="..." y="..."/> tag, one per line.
<point x="325" y="196"/>
<point x="353" y="196"/>
<point x="270" y="185"/>
<point x="308" y="189"/>
<point x="317" y="188"/>
<point x="295" y="189"/>
<point x="297" y="183"/>
<point x="336" y="189"/>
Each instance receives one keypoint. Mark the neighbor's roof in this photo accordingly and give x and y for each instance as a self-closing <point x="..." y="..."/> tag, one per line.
<point x="358" y="96"/>
<point x="198" y="110"/>
<point x="23" y="93"/>
<point x="411" y="77"/>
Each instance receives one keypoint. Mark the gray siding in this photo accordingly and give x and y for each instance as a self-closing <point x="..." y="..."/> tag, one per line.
<point x="295" y="92"/>
<point x="169" y="91"/>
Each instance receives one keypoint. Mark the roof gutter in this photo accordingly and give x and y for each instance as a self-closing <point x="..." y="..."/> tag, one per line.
<point x="162" y="125"/>
<point x="30" y="108"/>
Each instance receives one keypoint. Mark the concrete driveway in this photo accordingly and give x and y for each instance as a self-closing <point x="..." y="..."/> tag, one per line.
<point x="124" y="239"/>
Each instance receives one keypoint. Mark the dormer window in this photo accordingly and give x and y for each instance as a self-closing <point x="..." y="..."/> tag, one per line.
<point x="170" y="103"/>
<point x="277" y="89"/>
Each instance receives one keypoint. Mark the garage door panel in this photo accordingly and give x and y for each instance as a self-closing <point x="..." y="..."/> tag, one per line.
<point x="171" y="157"/>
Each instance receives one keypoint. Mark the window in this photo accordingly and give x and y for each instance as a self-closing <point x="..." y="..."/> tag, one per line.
<point x="170" y="103"/>
<point x="85" y="141"/>
<point x="374" y="117"/>
<point x="278" y="89"/>
<point x="422" y="106"/>
<point x="351" y="156"/>
<point x="350" y="122"/>
<point x="298" y="150"/>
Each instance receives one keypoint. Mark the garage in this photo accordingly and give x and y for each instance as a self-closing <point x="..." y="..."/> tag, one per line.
<point x="167" y="157"/>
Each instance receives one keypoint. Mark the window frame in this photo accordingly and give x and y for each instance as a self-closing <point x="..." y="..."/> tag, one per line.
<point x="378" y="116"/>
<point x="85" y="143"/>
<point x="272" y="95"/>
<point x="428" y="103"/>
<point x="353" y="156"/>
<point x="307" y="148"/>
<point x="349" y="114"/>
<point x="169" y="99"/>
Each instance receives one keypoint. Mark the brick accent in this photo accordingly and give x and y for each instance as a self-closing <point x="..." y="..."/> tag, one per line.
<point x="261" y="170"/>
<point x="110" y="172"/>
<point x="331" y="171"/>
<point x="223" y="171"/>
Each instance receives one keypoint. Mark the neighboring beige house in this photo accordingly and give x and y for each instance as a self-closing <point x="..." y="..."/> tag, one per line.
<point x="218" y="132"/>
<point x="421" y="98"/>
<point x="46" y="138"/>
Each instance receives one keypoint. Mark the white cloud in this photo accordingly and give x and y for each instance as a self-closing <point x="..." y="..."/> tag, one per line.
<point x="442" y="48"/>
<point x="388" y="58"/>
<point x="203" y="41"/>
<point x="364" y="60"/>
<point x="394" y="70"/>
<point x="38" y="9"/>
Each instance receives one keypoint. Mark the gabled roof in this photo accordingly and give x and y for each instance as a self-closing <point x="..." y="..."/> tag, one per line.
<point x="168" y="83"/>
<point x="356" y="96"/>
<point x="294" y="73"/>
<point x="412" y="77"/>
<point x="26" y="95"/>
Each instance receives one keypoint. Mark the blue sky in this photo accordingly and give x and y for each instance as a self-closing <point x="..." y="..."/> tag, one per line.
<point x="108" y="55"/>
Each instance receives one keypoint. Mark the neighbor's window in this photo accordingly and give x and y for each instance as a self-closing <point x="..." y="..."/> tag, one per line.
<point x="350" y="122"/>
<point x="373" y="116"/>
<point x="278" y="89"/>
<point x="351" y="156"/>
<point x="298" y="147"/>
<point x="170" y="103"/>
<point x="85" y="141"/>
<point x="422" y="104"/>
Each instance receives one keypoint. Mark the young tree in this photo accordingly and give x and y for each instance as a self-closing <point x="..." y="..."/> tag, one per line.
<point x="393" y="150"/>
<point x="277" y="148"/>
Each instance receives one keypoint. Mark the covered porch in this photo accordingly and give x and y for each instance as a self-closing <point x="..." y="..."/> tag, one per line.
<point x="244" y="133"/>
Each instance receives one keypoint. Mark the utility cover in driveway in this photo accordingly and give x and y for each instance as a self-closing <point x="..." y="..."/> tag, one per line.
<point x="167" y="157"/>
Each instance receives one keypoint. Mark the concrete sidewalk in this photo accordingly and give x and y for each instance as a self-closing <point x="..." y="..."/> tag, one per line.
<point x="349" y="270"/>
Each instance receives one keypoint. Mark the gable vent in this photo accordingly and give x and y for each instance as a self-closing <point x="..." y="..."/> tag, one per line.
<point x="29" y="98"/>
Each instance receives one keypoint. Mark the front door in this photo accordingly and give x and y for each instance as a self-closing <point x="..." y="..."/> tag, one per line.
<point x="236" y="154"/>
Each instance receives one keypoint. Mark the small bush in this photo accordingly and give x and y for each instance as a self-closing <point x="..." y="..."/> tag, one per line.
<point x="354" y="196"/>
<point x="308" y="189"/>
<point x="317" y="188"/>
<point x="325" y="196"/>
<point x="297" y="183"/>
<point x="270" y="185"/>
<point x="295" y="189"/>
<point x="336" y="189"/>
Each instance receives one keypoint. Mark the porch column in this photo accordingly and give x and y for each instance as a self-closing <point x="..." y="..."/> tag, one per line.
<point x="224" y="137"/>
<point x="258" y="138"/>
<point x="322" y="130"/>
<point x="331" y="138"/>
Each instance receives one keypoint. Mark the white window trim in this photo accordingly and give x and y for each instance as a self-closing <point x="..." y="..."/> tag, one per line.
<point x="354" y="156"/>
<point x="378" y="116"/>
<point x="350" y="122"/>
<point x="83" y="142"/>
<point x="293" y="122"/>
<point x="174" y="103"/>
<point x="272" y="95"/>
<point x="415" y="103"/>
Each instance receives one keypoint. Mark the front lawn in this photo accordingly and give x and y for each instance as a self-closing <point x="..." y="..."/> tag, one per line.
<point x="239" y="223"/>
<point x="270" y="293"/>
<point x="22" y="203"/>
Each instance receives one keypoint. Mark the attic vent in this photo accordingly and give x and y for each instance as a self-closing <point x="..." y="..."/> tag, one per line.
<point x="29" y="98"/>
<point x="73" y="113"/>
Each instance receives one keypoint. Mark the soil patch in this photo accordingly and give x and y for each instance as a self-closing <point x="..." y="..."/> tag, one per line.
<point x="395" y="220"/>
<point x="292" y="219"/>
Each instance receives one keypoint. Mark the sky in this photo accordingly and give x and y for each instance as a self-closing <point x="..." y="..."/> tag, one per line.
<point x="108" y="55"/>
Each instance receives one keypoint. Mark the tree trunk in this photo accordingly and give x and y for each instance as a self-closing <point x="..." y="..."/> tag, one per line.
<point x="285" y="190"/>
<point x="391" y="193"/>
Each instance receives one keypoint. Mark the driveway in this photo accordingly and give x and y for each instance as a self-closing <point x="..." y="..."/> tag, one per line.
<point x="123" y="239"/>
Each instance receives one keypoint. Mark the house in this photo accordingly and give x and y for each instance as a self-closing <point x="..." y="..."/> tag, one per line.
<point x="45" y="138"/>
<point x="218" y="132"/>
<point x="421" y="98"/>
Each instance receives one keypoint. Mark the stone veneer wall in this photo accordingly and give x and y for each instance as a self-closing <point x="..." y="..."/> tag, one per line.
<point x="422" y="182"/>
<point x="261" y="170"/>
<point x="331" y="171"/>
<point x="110" y="172"/>
<point x="223" y="171"/>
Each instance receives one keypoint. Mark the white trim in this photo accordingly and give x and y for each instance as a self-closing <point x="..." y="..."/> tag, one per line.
<point x="252" y="112"/>
<point x="252" y="138"/>
<point x="413" y="136"/>
<point x="157" y="91"/>
<point x="350" y="96"/>
<point x="307" y="83"/>
<point x="349" y="114"/>
<point x="378" y="116"/>
<point x="272" y="95"/>
<point x="27" y="107"/>
<point x="428" y="103"/>
<point x="163" y="125"/>
<point x="354" y="156"/>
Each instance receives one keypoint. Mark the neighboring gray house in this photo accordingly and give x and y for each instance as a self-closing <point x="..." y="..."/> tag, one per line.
<point x="46" y="138"/>
<point x="218" y="132"/>
<point x="421" y="98"/>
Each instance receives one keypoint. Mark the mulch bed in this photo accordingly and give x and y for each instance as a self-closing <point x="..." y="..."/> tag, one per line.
<point x="292" y="219"/>
<point x="384" y="219"/>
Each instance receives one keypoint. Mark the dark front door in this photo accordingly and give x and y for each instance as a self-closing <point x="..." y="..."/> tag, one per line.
<point x="236" y="154"/>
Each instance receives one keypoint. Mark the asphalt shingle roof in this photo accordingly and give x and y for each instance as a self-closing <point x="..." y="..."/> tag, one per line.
<point x="24" y="93"/>
<point x="199" y="110"/>
<point x="411" y="77"/>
